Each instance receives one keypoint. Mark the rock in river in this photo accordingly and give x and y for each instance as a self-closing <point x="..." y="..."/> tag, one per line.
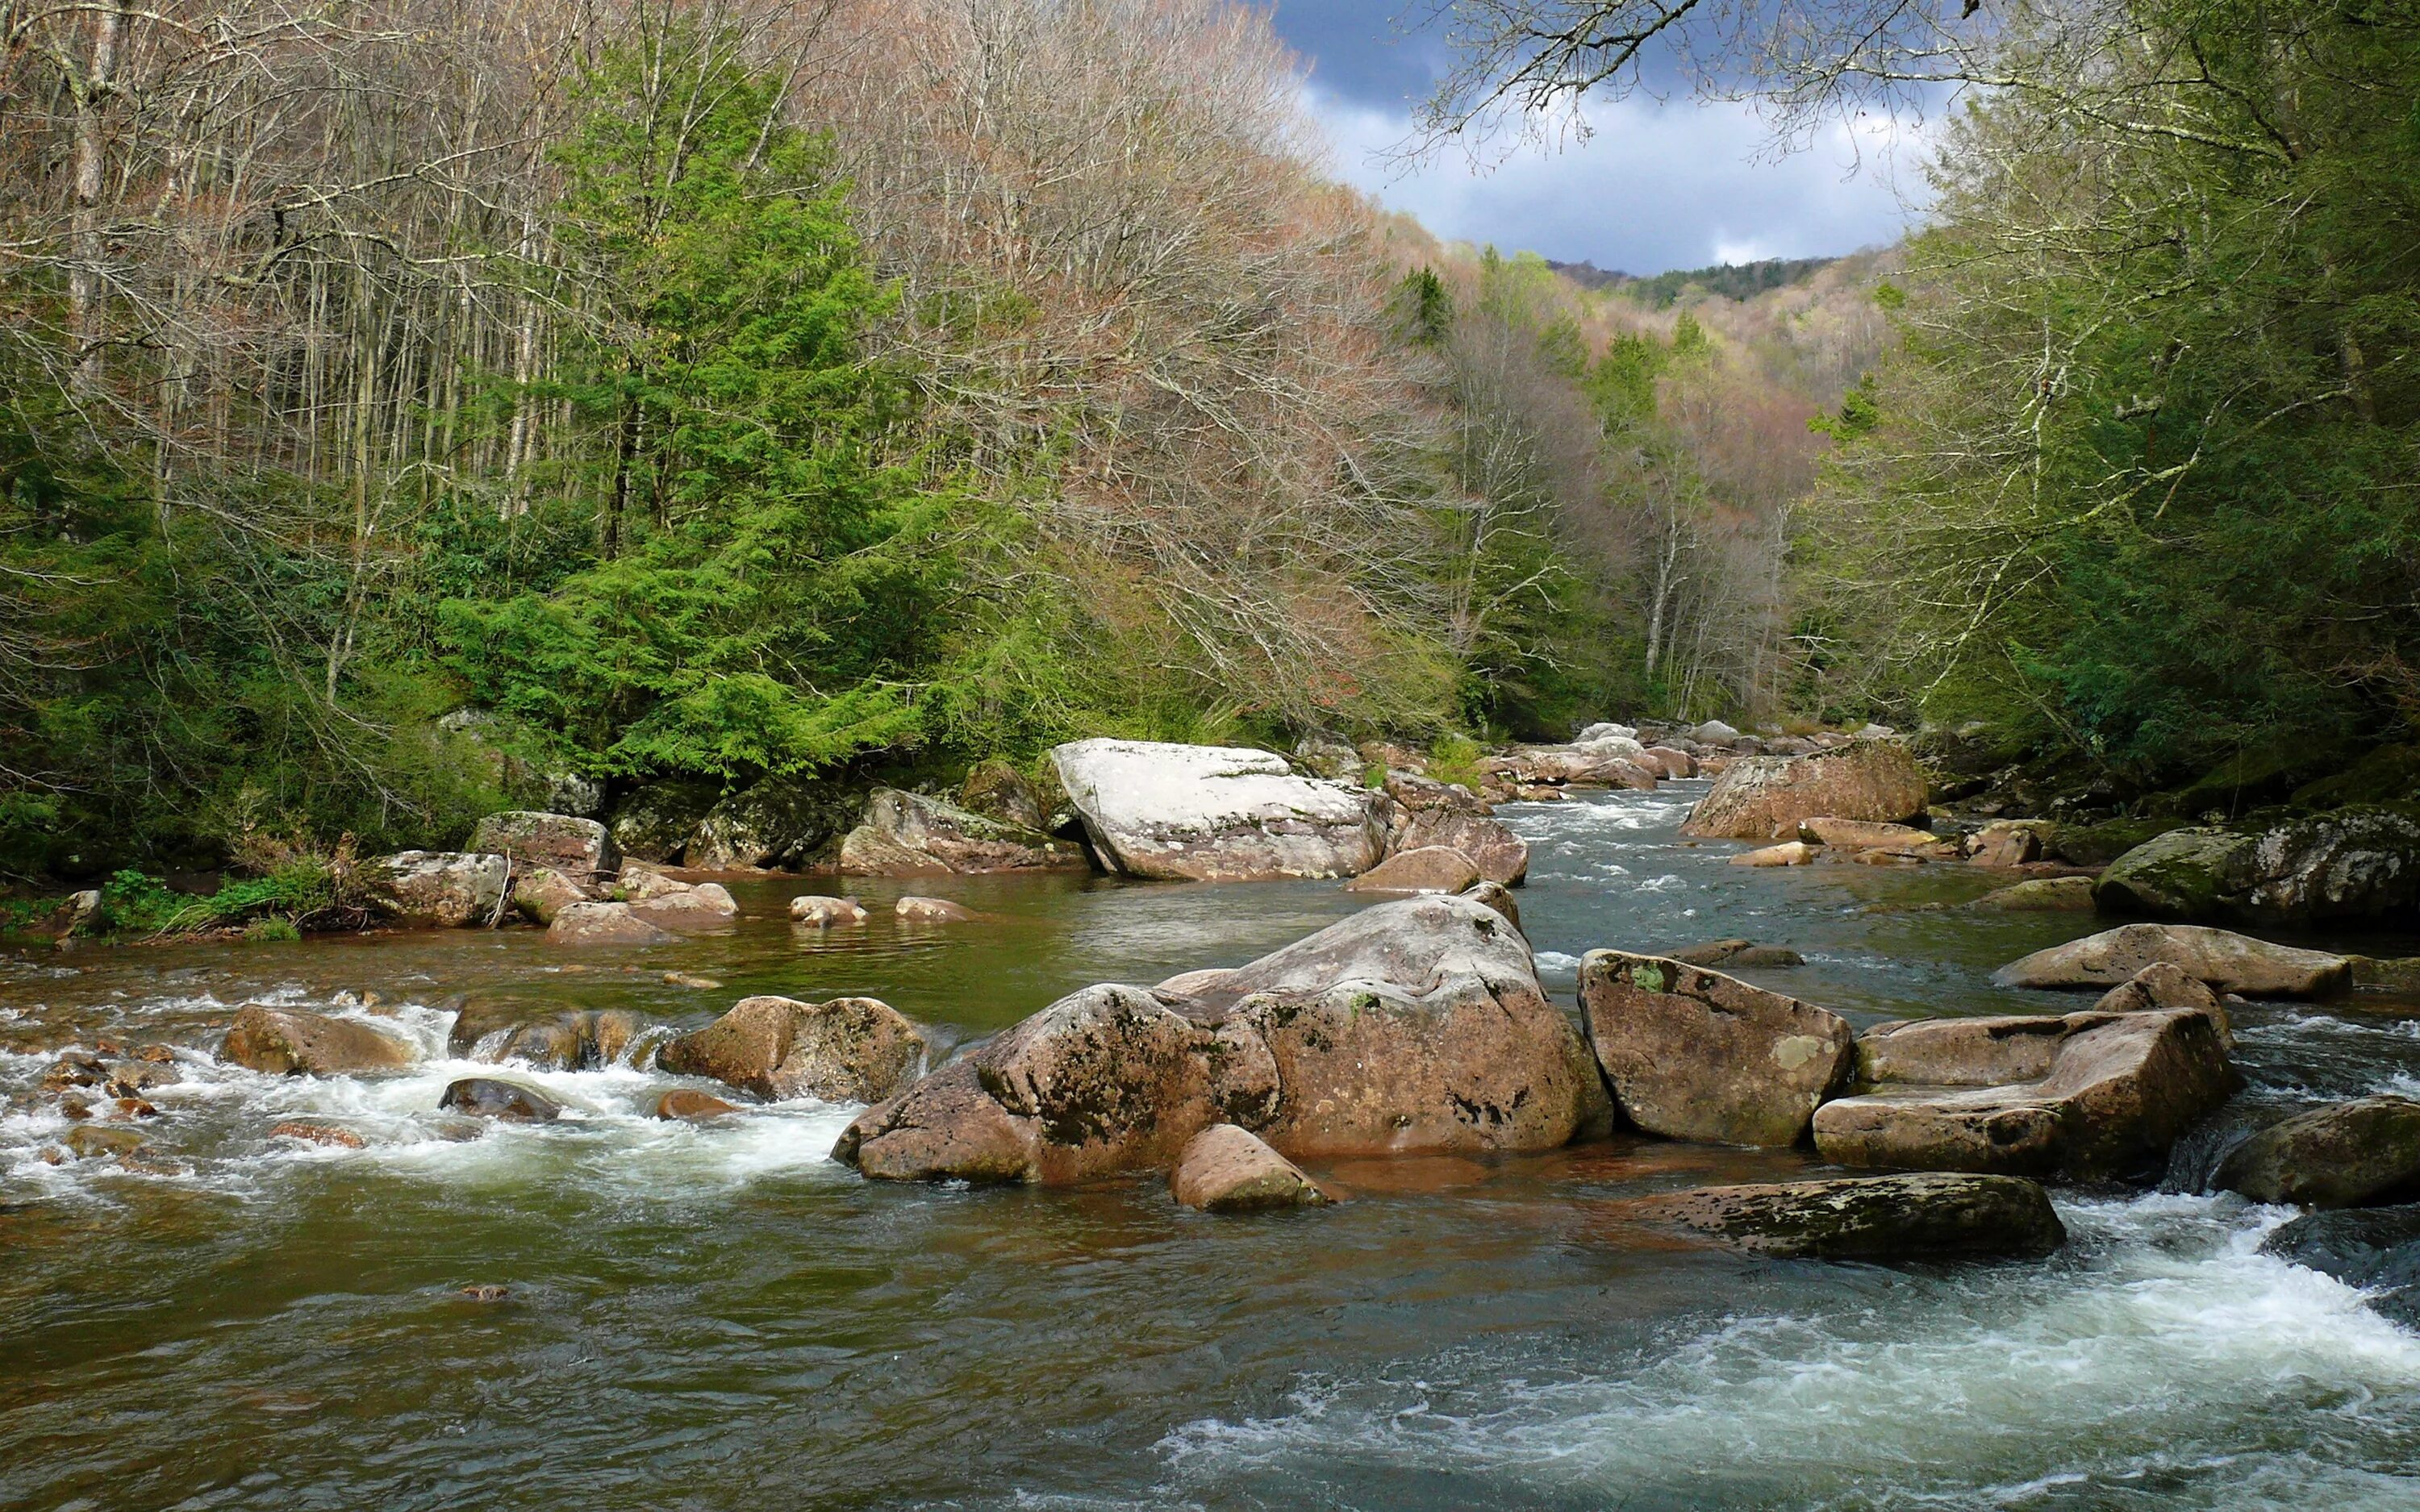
<point x="908" y="835"/>
<point x="490" y="1097"/>
<point x="448" y="888"/>
<point x="1769" y="797"/>
<point x="1500" y="856"/>
<point x="848" y="1050"/>
<point x="2356" y="863"/>
<point x="286" y="1041"/>
<point x="686" y="1104"/>
<point x="825" y="912"/>
<point x="581" y="849"/>
<point x="2344" y="1155"/>
<point x="2228" y="963"/>
<point x="1228" y="1169"/>
<point x="1216" y="813"/>
<point x="916" y="910"/>
<point x="1413" y="1025"/>
<point x="2377" y="1249"/>
<point x="1429" y="869"/>
<point x="589" y="923"/>
<point x="1864" y="1218"/>
<point x="1692" y="1053"/>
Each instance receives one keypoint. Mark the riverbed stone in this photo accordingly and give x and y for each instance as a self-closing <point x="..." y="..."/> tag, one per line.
<point x="692" y="906"/>
<point x="1768" y="798"/>
<point x="451" y="889"/>
<point x="1863" y="1218"/>
<point x="1226" y="1168"/>
<point x="90" y="1140"/>
<point x="781" y="823"/>
<point x="1429" y="869"/>
<point x="1866" y="835"/>
<point x="2343" y="1155"/>
<point x="1789" y="853"/>
<point x="1671" y="761"/>
<point x="1216" y="813"/>
<point x="492" y="1097"/>
<point x="1692" y="1053"/>
<point x="2375" y="1249"/>
<point x="916" y="910"/>
<point x="1496" y="895"/>
<point x="908" y="834"/>
<point x="2040" y="895"/>
<point x="2228" y="962"/>
<point x="596" y="923"/>
<point x="2086" y="1095"/>
<point x="311" y="1132"/>
<point x="2003" y="844"/>
<point x="284" y="1041"/>
<point x="945" y="1127"/>
<point x="656" y="820"/>
<point x="540" y="892"/>
<point x="1499" y="854"/>
<point x="846" y="1050"/>
<point x="581" y="849"/>
<point x="825" y="912"/>
<point x="687" y="1104"/>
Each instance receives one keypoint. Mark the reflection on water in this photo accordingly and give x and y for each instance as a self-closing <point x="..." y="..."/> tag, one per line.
<point x="717" y="1316"/>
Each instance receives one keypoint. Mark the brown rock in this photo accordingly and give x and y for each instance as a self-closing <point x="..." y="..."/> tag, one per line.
<point x="2053" y="895"/>
<point x="1430" y="868"/>
<point x="489" y="1097"/>
<point x="289" y="1042"/>
<point x="1692" y="1053"/>
<point x="1228" y="1169"/>
<point x="931" y="911"/>
<point x="88" y="1140"/>
<point x="848" y="1050"/>
<point x="1866" y="835"/>
<point x="2003" y="844"/>
<point x="595" y="923"/>
<point x="1789" y="853"/>
<point x="706" y="905"/>
<point x="1671" y="761"/>
<point x="2344" y="1155"/>
<point x="945" y="1127"/>
<point x="449" y="888"/>
<point x="826" y="913"/>
<point x="1769" y="797"/>
<point x="687" y="1104"/>
<point x="541" y="893"/>
<point x="317" y="1134"/>
<point x="1499" y="855"/>
<point x="1864" y="1218"/>
<point x="2228" y="962"/>
<point x="1497" y="896"/>
<point x="580" y="849"/>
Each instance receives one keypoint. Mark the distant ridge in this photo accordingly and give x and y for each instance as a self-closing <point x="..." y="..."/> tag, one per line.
<point x="1731" y="280"/>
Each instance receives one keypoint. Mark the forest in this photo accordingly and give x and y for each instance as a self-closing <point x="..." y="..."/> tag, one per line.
<point x="413" y="408"/>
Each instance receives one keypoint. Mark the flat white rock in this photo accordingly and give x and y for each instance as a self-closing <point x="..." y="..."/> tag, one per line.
<point x="1216" y="814"/>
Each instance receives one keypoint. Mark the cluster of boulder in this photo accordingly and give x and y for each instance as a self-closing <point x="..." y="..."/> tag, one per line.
<point x="555" y="870"/>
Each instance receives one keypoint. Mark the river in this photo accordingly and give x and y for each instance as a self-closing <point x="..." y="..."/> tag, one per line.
<point x="719" y="1316"/>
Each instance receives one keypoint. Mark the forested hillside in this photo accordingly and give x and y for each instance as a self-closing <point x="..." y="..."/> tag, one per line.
<point x="425" y="407"/>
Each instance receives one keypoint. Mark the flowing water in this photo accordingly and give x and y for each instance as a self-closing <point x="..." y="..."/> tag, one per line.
<point x="717" y="1316"/>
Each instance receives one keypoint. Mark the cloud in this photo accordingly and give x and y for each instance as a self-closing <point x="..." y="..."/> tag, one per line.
<point x="1656" y="186"/>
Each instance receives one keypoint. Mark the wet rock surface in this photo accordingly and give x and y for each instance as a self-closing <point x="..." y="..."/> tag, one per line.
<point x="2226" y="962"/>
<point x="1864" y="1218"/>
<point x="846" y="1050"/>
<point x="1692" y="1053"/>
<point x="2377" y="1249"/>
<point x="604" y="923"/>
<point x="291" y="1042"/>
<point x="490" y="1097"/>
<point x="2355" y="863"/>
<point x="2344" y="1155"/>
<point x="1228" y="1169"/>
<point x="825" y="912"/>
<point x="1429" y="869"/>
<point x="908" y="834"/>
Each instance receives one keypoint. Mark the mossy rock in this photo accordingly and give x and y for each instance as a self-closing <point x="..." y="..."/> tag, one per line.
<point x="2261" y="775"/>
<point x="2099" y="844"/>
<point x="2390" y="775"/>
<point x="2188" y="874"/>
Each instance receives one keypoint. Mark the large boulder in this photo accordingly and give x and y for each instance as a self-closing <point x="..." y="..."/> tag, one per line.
<point x="656" y="822"/>
<point x="1216" y="813"/>
<point x="449" y="888"/>
<point x="2356" y="863"/>
<point x="1429" y="869"/>
<point x="682" y="905"/>
<point x="1500" y="856"/>
<point x="848" y="1050"/>
<point x="1866" y="835"/>
<point x="595" y="923"/>
<point x="2084" y="1094"/>
<point x="540" y="892"/>
<point x="1413" y="1025"/>
<point x="908" y="834"/>
<point x="2375" y="1249"/>
<point x="781" y="823"/>
<point x="2226" y="962"/>
<point x="1863" y="1218"/>
<point x="284" y="1041"/>
<point x="494" y="1028"/>
<point x="581" y="849"/>
<point x="1228" y="1169"/>
<point x="2344" y="1155"/>
<point x="1769" y="797"/>
<point x="1692" y="1053"/>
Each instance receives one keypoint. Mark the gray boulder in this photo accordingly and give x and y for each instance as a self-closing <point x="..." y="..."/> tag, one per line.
<point x="1216" y="813"/>
<point x="490" y="1097"/>
<point x="2375" y="1249"/>
<point x="1769" y="797"/>
<point x="2355" y="863"/>
<point x="908" y="834"/>
<point x="581" y="849"/>
<point x="1500" y="856"/>
<point x="780" y="824"/>
<point x="657" y="821"/>
<point x="1862" y="1218"/>
<point x="1692" y="1053"/>
<point x="2344" y="1155"/>
<point x="2228" y="963"/>
<point x="451" y="889"/>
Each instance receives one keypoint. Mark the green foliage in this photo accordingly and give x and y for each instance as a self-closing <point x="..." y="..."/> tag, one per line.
<point x="1623" y="383"/>
<point x="277" y="903"/>
<point x="1454" y="759"/>
<point x="1731" y="281"/>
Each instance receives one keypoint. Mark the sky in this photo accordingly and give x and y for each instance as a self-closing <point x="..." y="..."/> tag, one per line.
<point x="1658" y="186"/>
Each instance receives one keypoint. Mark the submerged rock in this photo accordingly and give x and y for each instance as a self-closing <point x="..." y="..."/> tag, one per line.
<point x="88" y="1141"/>
<point x="686" y="1104"/>
<point x="1429" y="869"/>
<point x="916" y="910"/>
<point x="2043" y="895"/>
<point x="581" y="849"/>
<point x="1215" y="813"/>
<point x="2228" y="963"/>
<point x="826" y="912"/>
<point x="1769" y="797"/>
<point x="448" y="888"/>
<point x="1864" y="1218"/>
<point x="1413" y="1025"/>
<point x="541" y="893"/>
<point x="1692" y="1053"/>
<point x="908" y="834"/>
<point x="704" y="905"/>
<point x="489" y="1097"/>
<point x="594" y="923"/>
<point x="2344" y="1155"/>
<point x="848" y="1050"/>
<point x="1228" y="1169"/>
<point x="2377" y="1249"/>
<point x="317" y="1134"/>
<point x="284" y="1041"/>
<point x="2005" y="843"/>
<point x="1789" y="853"/>
<point x="1866" y="835"/>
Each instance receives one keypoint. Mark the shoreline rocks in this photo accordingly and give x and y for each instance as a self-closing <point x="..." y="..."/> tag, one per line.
<point x="2355" y="863"/>
<point x="2343" y="1155"/>
<point x="596" y="923"/>
<point x="1228" y="1169"/>
<point x="582" y="850"/>
<point x="908" y="834"/>
<point x="491" y="1096"/>
<point x="1692" y="1053"/>
<point x="448" y="890"/>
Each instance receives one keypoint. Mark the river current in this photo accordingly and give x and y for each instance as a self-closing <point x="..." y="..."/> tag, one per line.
<point x="719" y="1316"/>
